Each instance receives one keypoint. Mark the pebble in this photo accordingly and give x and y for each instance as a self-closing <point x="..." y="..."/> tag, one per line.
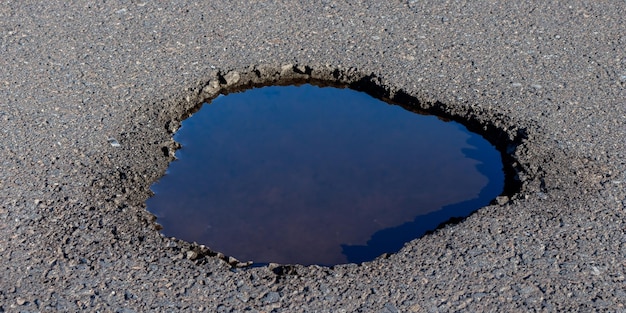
<point x="232" y="78"/>
<point x="286" y="68"/>
<point x="114" y="143"/>
<point x="502" y="200"/>
<point x="271" y="297"/>
<point x="191" y="255"/>
<point x="390" y="308"/>
<point x="211" y="88"/>
<point x="232" y="260"/>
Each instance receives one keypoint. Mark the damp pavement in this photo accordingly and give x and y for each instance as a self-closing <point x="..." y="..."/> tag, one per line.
<point x="90" y="94"/>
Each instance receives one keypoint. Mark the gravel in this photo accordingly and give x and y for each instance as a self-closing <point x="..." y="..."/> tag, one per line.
<point x="90" y="94"/>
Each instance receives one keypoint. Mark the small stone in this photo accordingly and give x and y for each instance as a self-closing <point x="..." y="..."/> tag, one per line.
<point x="243" y="264"/>
<point x="301" y="68"/>
<point x="232" y="261"/>
<point x="390" y="308"/>
<point x="502" y="200"/>
<point x="287" y="68"/>
<point x="114" y="143"/>
<point x="595" y="271"/>
<point x="211" y="88"/>
<point x="232" y="78"/>
<point x="272" y="266"/>
<point x="191" y="255"/>
<point x="271" y="297"/>
<point x="20" y="301"/>
<point x="244" y="297"/>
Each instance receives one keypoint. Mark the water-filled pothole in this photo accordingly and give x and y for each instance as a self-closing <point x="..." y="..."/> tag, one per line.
<point x="319" y="175"/>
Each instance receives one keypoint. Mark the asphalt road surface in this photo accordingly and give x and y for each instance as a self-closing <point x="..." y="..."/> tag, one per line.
<point x="90" y="93"/>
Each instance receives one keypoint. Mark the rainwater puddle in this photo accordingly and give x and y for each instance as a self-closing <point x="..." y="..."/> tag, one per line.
<point x="319" y="175"/>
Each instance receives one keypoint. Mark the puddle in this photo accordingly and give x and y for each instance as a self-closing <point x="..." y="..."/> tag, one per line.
<point x="318" y="175"/>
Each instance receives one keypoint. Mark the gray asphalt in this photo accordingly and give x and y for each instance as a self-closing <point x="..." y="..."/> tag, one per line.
<point x="543" y="80"/>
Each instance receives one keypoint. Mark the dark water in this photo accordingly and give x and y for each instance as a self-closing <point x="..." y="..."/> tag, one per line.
<point x="314" y="175"/>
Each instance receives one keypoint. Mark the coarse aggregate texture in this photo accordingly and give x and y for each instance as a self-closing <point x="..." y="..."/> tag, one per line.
<point x="545" y="80"/>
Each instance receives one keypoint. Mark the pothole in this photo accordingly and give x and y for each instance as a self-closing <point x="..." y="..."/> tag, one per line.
<point x="320" y="175"/>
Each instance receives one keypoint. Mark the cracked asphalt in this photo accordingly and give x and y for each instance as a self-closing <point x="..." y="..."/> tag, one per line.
<point x="543" y="80"/>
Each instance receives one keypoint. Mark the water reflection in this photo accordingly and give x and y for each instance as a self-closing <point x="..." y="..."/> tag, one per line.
<point x="314" y="175"/>
<point x="392" y="239"/>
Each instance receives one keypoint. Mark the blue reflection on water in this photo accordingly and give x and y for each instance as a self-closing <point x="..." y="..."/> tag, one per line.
<point x="393" y="239"/>
<point x="316" y="175"/>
